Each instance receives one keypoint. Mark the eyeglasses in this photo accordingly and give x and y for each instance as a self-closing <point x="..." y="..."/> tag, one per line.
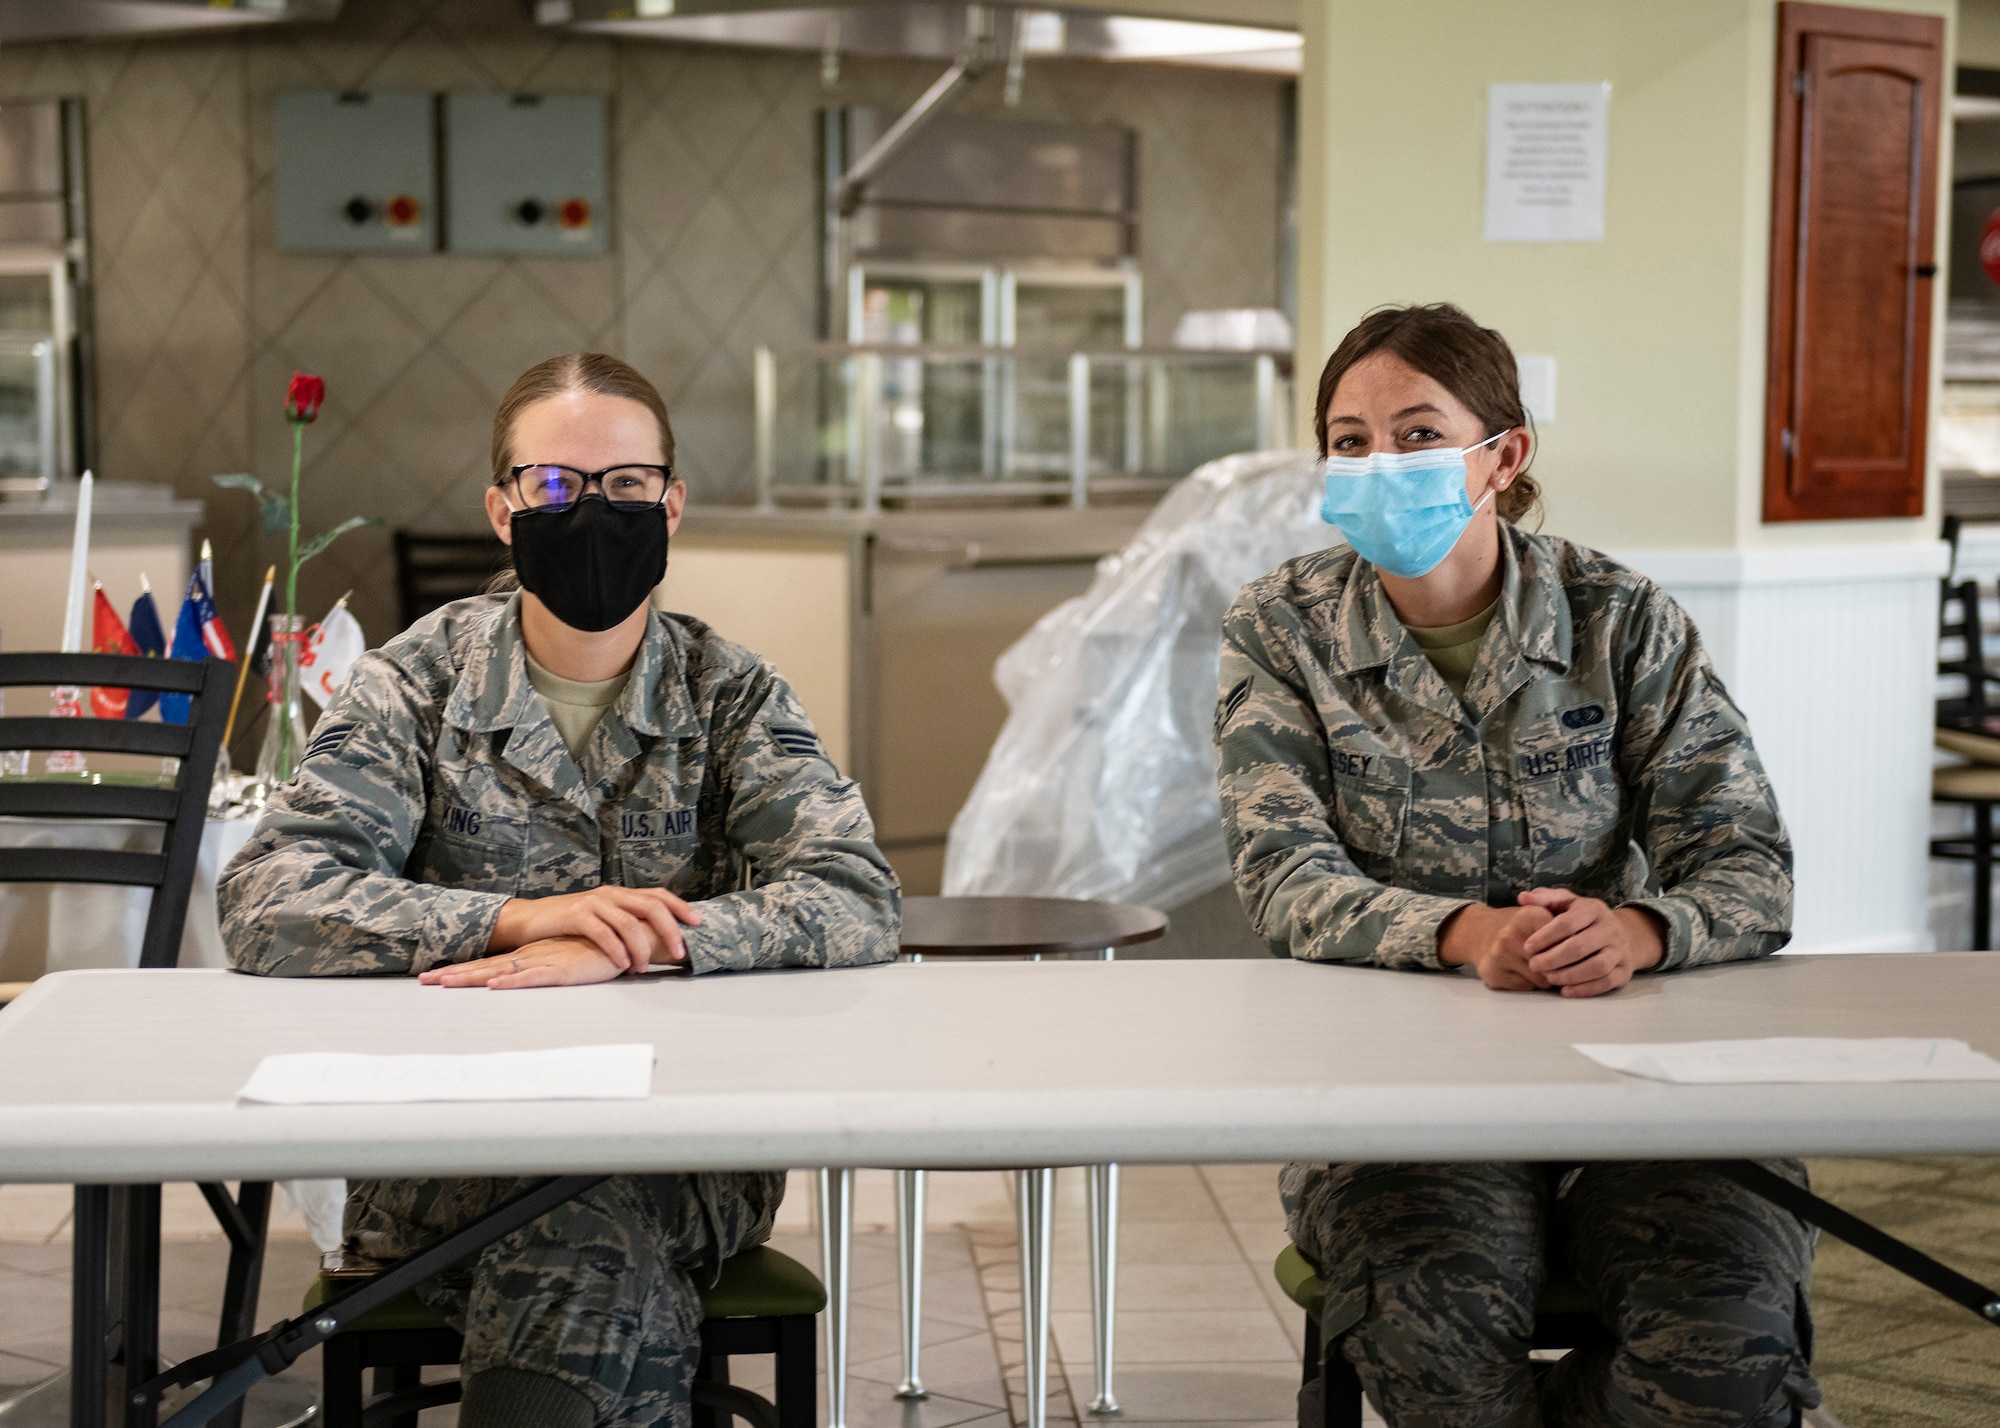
<point x="542" y="487"/>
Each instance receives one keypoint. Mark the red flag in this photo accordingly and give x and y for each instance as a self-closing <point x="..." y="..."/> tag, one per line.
<point x="108" y="635"/>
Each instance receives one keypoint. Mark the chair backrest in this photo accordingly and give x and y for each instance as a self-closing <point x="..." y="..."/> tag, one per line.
<point x="1959" y="619"/>
<point x="434" y="570"/>
<point x="181" y="810"/>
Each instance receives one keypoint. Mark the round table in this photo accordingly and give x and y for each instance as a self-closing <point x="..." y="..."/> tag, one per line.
<point x="1024" y="926"/>
<point x="1009" y="927"/>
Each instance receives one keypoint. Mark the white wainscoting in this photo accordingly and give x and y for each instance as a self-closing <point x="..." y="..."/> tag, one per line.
<point x="1831" y="652"/>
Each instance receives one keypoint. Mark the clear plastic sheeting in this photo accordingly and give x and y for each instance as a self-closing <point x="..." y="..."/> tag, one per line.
<point x="1102" y="782"/>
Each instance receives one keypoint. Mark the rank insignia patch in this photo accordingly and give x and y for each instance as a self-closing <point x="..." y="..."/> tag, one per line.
<point x="799" y="743"/>
<point x="329" y="739"/>
<point x="1231" y="702"/>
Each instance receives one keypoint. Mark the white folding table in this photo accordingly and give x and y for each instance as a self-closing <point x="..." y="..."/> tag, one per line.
<point x="113" y="1077"/>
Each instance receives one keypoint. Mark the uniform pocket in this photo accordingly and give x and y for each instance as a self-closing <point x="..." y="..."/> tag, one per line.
<point x="1570" y="793"/>
<point x="656" y="846"/>
<point x="1371" y="804"/>
<point x="470" y="850"/>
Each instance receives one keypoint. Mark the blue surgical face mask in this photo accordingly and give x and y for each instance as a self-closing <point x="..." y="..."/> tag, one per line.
<point x="1402" y="511"/>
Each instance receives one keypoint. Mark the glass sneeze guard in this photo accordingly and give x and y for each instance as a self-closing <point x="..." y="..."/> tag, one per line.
<point x="855" y="425"/>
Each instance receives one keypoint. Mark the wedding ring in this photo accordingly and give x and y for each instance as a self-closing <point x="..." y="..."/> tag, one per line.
<point x="517" y="964"/>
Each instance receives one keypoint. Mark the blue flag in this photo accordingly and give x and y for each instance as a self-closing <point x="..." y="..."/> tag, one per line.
<point x="190" y="642"/>
<point x="151" y="640"/>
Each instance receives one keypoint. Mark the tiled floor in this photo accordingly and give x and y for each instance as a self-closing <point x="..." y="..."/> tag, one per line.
<point x="1203" y="1335"/>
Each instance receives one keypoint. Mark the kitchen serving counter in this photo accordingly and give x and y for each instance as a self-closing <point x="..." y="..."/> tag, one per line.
<point x="888" y="625"/>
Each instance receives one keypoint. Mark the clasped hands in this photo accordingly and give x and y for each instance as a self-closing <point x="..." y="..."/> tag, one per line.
<point x="1554" y="940"/>
<point x="573" y="938"/>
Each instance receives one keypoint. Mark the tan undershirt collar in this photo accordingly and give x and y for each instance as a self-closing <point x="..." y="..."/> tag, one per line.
<point x="1454" y="649"/>
<point x="575" y="706"/>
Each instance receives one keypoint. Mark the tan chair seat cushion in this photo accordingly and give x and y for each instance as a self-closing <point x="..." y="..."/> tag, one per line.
<point x="1966" y="781"/>
<point x="1980" y="748"/>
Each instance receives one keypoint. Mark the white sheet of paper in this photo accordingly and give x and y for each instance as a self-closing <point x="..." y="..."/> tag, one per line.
<point x="1796" y="1058"/>
<point x="1546" y="147"/>
<point x="621" y="1072"/>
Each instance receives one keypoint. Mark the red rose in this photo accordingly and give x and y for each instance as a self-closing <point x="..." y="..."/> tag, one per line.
<point x="303" y="397"/>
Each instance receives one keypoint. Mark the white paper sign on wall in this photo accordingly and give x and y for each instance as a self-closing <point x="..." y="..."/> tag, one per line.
<point x="1545" y="154"/>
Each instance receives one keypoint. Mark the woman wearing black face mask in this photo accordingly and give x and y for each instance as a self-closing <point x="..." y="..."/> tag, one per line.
<point x="562" y="785"/>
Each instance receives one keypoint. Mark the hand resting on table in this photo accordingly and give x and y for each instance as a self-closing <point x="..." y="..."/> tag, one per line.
<point x="552" y="962"/>
<point x="630" y="927"/>
<point x="1554" y="940"/>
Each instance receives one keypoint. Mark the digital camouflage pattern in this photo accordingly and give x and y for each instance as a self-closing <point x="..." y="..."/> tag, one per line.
<point x="435" y="788"/>
<point x="598" y="1293"/>
<point x="1432" y="1273"/>
<point x="1595" y="749"/>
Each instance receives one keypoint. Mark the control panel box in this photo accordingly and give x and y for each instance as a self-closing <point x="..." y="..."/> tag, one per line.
<point x="526" y="173"/>
<point x="355" y="172"/>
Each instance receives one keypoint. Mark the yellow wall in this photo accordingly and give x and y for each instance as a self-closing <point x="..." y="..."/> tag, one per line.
<point x="1979" y="33"/>
<point x="1658" y="331"/>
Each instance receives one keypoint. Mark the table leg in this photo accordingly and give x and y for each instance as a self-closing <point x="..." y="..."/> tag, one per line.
<point x="1104" y="1269"/>
<point x="836" y="1232"/>
<point x="1037" y="1196"/>
<point x="1104" y="1280"/>
<point x="910" y="1257"/>
<point x="139" y="1300"/>
<point x="90" y="1307"/>
<point x="1982" y="876"/>
<point x="247" y="1229"/>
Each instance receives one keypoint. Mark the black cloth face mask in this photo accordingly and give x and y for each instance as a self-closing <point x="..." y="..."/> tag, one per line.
<point x="592" y="563"/>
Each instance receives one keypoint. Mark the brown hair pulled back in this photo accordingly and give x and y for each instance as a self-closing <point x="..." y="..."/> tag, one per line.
<point x="1473" y="363"/>
<point x="597" y="372"/>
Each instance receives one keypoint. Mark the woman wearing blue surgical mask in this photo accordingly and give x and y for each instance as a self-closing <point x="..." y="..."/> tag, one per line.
<point x="1453" y="744"/>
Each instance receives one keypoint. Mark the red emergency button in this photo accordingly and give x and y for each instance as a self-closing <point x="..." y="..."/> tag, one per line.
<point x="403" y="211"/>
<point x="574" y="213"/>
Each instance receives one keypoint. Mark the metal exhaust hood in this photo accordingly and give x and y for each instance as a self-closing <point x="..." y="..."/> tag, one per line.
<point x="26" y="21"/>
<point x="922" y="29"/>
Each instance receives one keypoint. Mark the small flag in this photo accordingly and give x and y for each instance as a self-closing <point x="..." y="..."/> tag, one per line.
<point x="198" y="633"/>
<point x="331" y="650"/>
<point x="144" y="628"/>
<point x="214" y="634"/>
<point x="108" y="635"/>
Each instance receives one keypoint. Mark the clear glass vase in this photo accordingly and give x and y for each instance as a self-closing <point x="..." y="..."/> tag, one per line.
<point x="66" y="702"/>
<point x="285" y="730"/>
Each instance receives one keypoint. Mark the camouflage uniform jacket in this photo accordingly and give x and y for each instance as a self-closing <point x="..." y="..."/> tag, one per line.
<point x="1595" y="749"/>
<point x="436" y="787"/>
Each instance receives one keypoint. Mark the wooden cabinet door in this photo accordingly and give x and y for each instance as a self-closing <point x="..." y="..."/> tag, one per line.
<point x="1853" y="259"/>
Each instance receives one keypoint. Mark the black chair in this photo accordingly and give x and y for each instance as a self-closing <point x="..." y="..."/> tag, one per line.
<point x="181" y="810"/>
<point x="434" y="570"/>
<point x="1977" y="710"/>
<point x="132" y="1213"/>
<point x="763" y="1302"/>
<point x="1968" y="724"/>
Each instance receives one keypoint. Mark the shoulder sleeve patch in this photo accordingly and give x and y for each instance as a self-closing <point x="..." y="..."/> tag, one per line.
<point x="329" y="739"/>
<point x="1231" y="702"/>
<point x="799" y="742"/>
